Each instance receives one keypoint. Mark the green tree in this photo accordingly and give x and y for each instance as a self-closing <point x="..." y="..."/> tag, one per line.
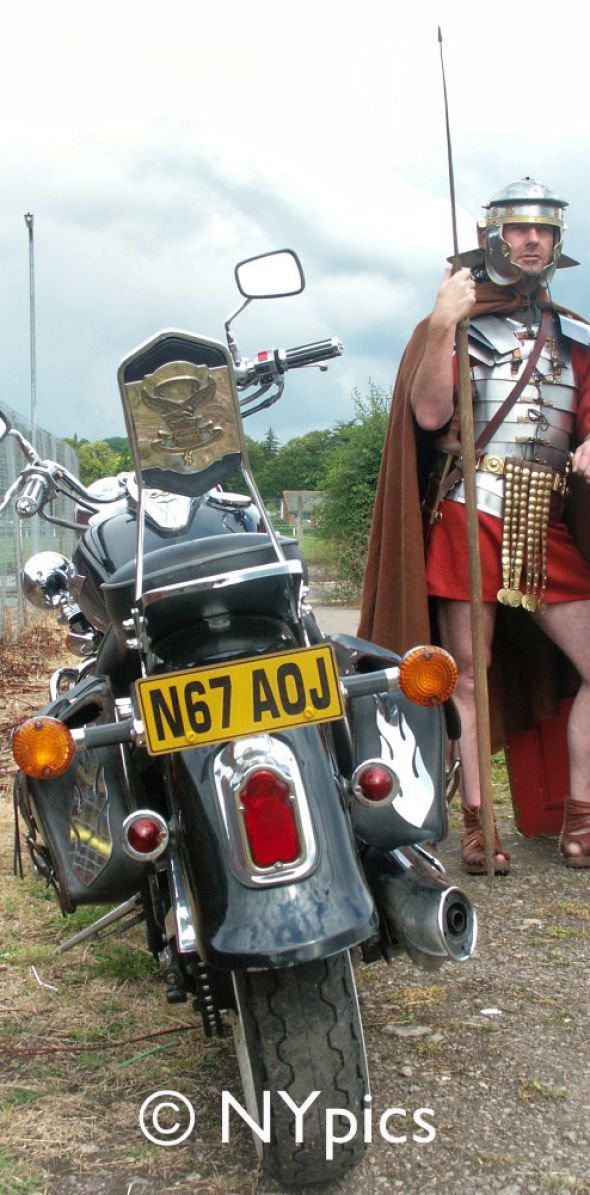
<point x="120" y="446"/>
<point x="350" y="482"/>
<point x="270" y="443"/>
<point x="302" y="462"/>
<point x="96" y="460"/>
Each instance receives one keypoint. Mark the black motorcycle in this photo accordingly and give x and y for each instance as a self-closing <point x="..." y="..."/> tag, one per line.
<point x="259" y="795"/>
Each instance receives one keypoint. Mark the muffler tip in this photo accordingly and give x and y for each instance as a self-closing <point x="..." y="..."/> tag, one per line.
<point x="458" y="924"/>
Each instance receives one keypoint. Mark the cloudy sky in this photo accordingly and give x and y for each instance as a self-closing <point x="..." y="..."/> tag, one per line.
<point x="156" y="144"/>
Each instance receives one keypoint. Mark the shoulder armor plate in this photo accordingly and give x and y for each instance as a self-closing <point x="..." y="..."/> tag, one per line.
<point x="574" y="329"/>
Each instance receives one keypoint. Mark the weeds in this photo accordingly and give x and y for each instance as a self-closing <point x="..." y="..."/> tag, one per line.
<point x="537" y="1089"/>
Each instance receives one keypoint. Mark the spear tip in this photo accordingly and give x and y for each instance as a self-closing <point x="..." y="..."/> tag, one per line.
<point x="440" y="35"/>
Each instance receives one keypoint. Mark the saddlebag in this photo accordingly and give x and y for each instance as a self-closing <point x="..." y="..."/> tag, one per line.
<point x="410" y="739"/>
<point x="74" y="821"/>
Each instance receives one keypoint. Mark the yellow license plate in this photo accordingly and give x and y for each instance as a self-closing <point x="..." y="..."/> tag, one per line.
<point x="254" y="696"/>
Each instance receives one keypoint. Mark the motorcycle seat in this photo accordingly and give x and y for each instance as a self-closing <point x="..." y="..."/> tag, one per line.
<point x="196" y="560"/>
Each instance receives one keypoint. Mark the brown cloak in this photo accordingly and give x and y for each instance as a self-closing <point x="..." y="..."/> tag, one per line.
<point x="396" y="612"/>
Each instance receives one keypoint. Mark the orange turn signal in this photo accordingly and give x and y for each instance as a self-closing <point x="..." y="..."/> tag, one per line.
<point x="427" y="675"/>
<point x="43" y="747"/>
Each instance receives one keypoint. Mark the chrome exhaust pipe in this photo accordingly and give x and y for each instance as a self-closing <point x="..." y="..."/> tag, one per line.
<point x="426" y="917"/>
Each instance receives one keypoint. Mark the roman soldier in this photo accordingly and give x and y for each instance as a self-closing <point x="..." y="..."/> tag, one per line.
<point x="530" y="365"/>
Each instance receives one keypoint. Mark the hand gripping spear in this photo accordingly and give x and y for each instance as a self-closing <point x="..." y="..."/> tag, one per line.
<point x="482" y="710"/>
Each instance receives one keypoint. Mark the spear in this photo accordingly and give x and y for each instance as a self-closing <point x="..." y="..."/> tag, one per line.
<point x="482" y="707"/>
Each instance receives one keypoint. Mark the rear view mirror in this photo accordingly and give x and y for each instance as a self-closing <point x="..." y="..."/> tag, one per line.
<point x="270" y="275"/>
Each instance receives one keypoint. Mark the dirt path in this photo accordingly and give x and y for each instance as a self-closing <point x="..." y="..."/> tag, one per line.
<point x="498" y="1048"/>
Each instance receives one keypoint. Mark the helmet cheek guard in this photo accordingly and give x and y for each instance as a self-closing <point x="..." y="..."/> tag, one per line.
<point x="522" y="202"/>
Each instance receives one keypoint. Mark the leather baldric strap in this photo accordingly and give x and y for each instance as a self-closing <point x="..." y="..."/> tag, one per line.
<point x="545" y="327"/>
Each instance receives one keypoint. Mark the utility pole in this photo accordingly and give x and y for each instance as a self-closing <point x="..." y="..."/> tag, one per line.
<point x="29" y="221"/>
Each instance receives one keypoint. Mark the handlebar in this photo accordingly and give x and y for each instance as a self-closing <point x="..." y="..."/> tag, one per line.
<point x="270" y="364"/>
<point x="312" y="354"/>
<point x="32" y="498"/>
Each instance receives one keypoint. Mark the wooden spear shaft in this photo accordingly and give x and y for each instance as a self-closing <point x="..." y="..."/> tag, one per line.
<point x="482" y="706"/>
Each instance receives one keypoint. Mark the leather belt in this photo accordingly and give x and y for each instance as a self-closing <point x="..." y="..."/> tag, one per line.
<point x="490" y="463"/>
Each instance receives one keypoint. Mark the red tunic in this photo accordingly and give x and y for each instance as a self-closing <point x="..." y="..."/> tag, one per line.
<point x="447" y="566"/>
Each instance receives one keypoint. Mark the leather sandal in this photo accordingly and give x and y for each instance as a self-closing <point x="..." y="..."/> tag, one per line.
<point x="575" y="832"/>
<point x="473" y="853"/>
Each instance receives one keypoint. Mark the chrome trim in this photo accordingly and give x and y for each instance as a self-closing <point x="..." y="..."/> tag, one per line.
<point x="86" y="667"/>
<point x="357" y="791"/>
<point x="418" y="909"/>
<point x="292" y="568"/>
<point x="76" y="674"/>
<point x="233" y="765"/>
<point x="170" y="512"/>
<point x="81" y="644"/>
<point x="417" y="789"/>
<point x="140" y="517"/>
<point x="227" y="499"/>
<point x="90" y="840"/>
<point x="430" y="858"/>
<point x="143" y="856"/>
<point x="56" y="678"/>
<point x="133" y="906"/>
<point x="48" y="579"/>
<point x="182" y="908"/>
<point x="249" y="479"/>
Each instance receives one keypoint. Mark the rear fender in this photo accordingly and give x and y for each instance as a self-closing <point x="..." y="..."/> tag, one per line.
<point x="318" y="907"/>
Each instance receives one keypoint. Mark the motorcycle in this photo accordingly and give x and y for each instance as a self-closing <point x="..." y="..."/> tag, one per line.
<point x="260" y="796"/>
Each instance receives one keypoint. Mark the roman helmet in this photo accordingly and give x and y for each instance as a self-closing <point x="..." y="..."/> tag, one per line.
<point x="523" y="202"/>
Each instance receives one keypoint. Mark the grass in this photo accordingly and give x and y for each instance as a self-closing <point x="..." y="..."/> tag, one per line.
<point x="537" y="1089"/>
<point x="565" y="1182"/>
<point x="17" y="1179"/>
<point x="317" y="552"/>
<point x="500" y="782"/>
<point x="572" y="908"/>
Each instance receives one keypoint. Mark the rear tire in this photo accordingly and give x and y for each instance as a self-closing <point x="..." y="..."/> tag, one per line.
<point x="298" y="1030"/>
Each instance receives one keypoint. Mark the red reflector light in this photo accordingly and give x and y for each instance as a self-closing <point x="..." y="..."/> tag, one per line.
<point x="263" y="355"/>
<point x="145" y="835"/>
<point x="375" y="783"/>
<point x="269" y="820"/>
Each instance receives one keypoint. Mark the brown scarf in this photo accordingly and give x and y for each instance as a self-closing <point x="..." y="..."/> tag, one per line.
<point x="395" y="610"/>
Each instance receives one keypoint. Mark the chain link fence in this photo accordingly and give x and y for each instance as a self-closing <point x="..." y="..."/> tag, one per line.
<point x="20" y="538"/>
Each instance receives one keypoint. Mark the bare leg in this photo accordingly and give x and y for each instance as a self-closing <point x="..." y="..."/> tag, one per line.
<point x="568" y="625"/>
<point x="454" y="620"/>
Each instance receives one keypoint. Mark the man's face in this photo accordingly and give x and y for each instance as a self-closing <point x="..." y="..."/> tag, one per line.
<point x="531" y="246"/>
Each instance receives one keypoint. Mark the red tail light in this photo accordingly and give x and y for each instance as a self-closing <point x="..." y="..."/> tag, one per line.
<point x="374" y="782"/>
<point x="269" y="820"/>
<point x="145" y="835"/>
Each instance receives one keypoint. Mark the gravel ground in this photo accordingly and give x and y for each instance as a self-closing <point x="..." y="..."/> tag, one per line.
<point x="498" y="1048"/>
